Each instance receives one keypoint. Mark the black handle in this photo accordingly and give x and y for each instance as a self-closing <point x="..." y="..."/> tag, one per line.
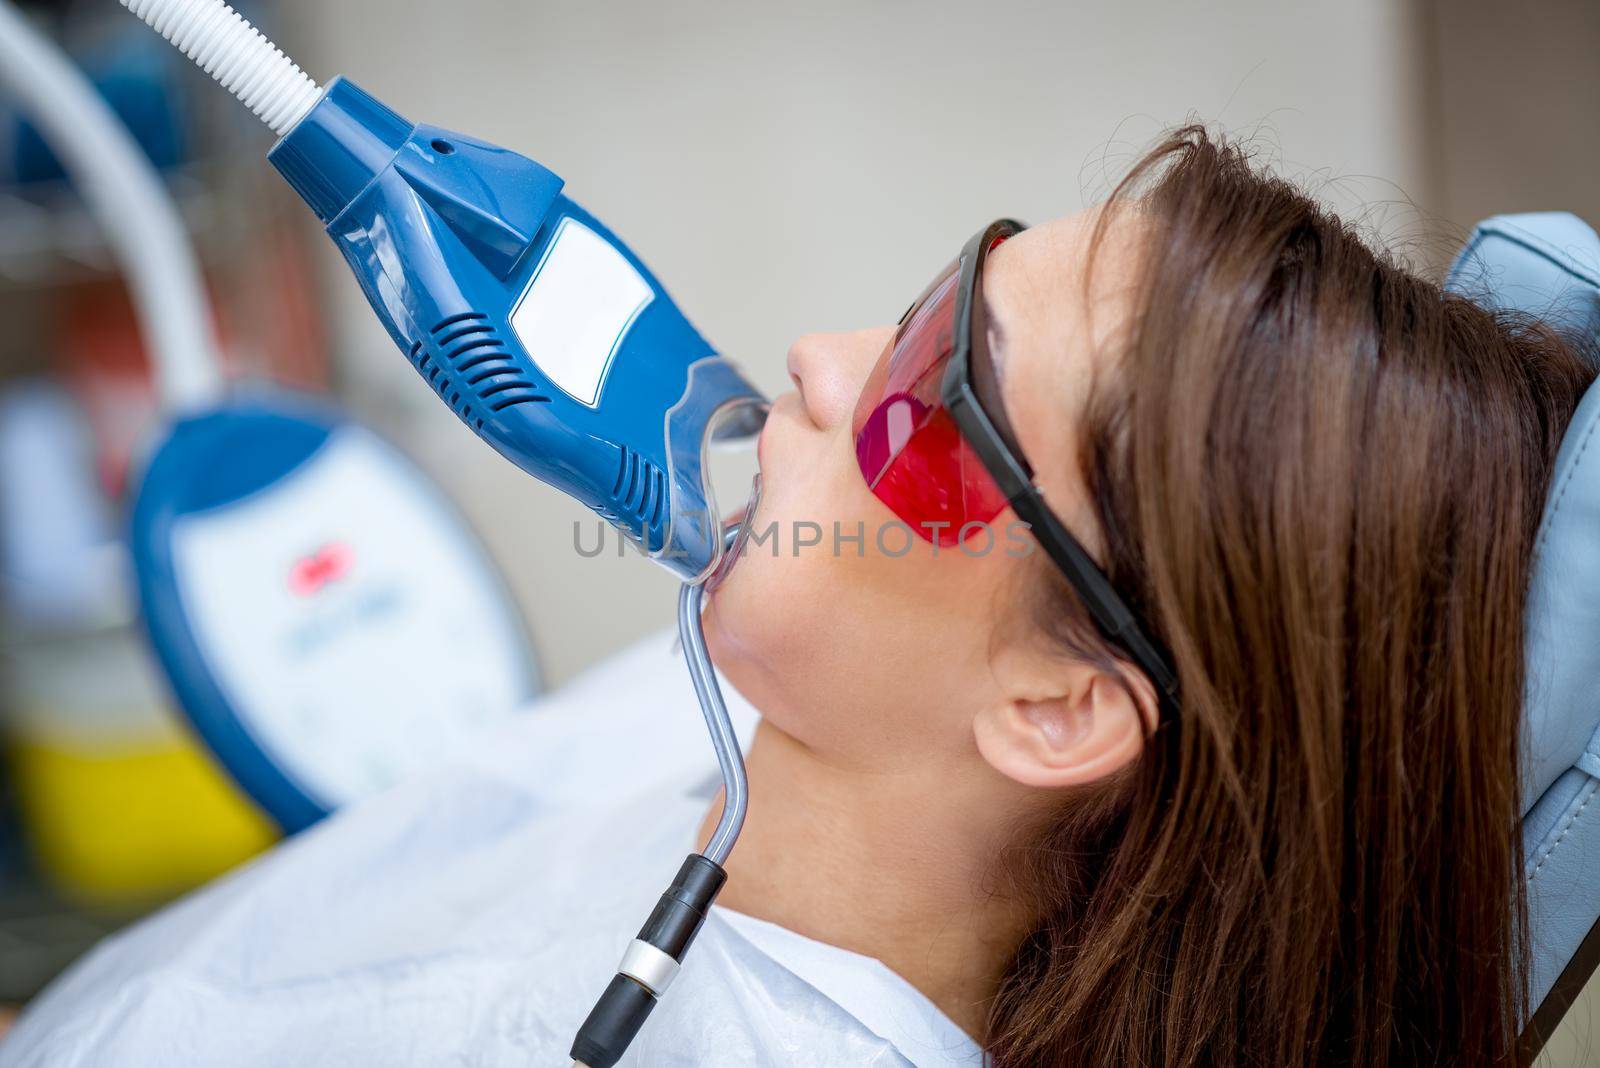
<point x="671" y="928"/>
<point x="612" y="1023"/>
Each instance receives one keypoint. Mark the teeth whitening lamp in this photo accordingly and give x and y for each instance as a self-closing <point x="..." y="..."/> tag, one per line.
<point x="550" y="340"/>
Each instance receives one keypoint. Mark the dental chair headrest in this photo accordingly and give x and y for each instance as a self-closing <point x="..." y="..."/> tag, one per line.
<point x="1548" y="265"/>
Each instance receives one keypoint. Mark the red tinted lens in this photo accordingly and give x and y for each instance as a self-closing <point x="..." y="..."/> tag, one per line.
<point x="908" y="446"/>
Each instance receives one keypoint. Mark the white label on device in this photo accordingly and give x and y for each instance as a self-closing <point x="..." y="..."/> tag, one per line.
<point x="350" y="621"/>
<point x="583" y="298"/>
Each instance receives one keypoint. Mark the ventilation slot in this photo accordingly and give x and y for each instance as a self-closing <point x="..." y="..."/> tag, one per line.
<point x="622" y="471"/>
<point x="640" y="489"/>
<point x="454" y="341"/>
<point x="499" y="370"/>
<point x="462" y="318"/>
<point x="422" y="359"/>
<point x="490" y="343"/>
<point x="661" y="496"/>
<point x="499" y="393"/>
<point x="511" y="402"/>
<point x="469" y="331"/>
<point x="468" y="342"/>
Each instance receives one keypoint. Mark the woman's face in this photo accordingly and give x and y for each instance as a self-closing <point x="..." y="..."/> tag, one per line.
<point x="874" y="655"/>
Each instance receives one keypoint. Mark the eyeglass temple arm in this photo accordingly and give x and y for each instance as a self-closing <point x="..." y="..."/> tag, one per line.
<point x="1110" y="613"/>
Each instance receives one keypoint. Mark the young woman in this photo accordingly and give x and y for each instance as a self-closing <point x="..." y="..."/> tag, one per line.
<point x="1213" y="761"/>
<point x="1270" y="822"/>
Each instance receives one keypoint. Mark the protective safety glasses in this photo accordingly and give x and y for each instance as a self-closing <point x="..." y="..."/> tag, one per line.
<point x="934" y="444"/>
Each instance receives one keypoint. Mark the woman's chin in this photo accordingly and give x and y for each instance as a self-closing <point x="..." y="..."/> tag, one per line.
<point x="736" y="661"/>
<point x="726" y="653"/>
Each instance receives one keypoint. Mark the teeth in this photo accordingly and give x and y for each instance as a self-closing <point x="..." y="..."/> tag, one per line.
<point x="236" y="54"/>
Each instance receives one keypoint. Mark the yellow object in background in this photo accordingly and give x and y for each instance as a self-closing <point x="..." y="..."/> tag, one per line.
<point x="133" y="825"/>
<point x="119" y="802"/>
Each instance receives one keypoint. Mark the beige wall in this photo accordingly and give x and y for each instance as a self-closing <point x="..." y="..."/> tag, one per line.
<point x="795" y="167"/>
<point x="1511" y="107"/>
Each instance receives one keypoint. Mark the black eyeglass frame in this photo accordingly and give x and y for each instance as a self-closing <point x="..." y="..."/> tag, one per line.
<point x="984" y="425"/>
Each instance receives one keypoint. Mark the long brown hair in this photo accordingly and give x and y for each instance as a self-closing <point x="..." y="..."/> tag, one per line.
<point x="1320" y="477"/>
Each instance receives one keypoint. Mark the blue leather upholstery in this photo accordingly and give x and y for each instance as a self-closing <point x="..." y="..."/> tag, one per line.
<point x="1548" y="264"/>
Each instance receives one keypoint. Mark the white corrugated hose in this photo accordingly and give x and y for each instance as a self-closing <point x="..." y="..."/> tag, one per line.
<point x="237" y="55"/>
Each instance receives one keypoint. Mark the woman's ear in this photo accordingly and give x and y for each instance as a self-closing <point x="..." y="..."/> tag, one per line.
<point x="1094" y="729"/>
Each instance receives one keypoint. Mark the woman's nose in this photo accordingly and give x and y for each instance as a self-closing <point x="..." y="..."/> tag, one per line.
<point x="830" y="369"/>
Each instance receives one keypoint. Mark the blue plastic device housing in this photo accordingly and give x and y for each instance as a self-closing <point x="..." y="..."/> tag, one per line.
<point x="449" y="236"/>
